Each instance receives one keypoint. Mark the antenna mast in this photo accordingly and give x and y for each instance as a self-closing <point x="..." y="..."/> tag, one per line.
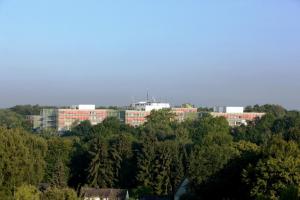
<point x="147" y="96"/>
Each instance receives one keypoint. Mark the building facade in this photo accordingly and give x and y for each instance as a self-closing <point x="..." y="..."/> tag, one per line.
<point x="48" y="118"/>
<point x="184" y="113"/>
<point x="35" y="121"/>
<point x="235" y="115"/>
<point x="103" y="194"/>
<point x="63" y="119"/>
<point x="134" y="117"/>
<point x="139" y="117"/>
<point x="67" y="118"/>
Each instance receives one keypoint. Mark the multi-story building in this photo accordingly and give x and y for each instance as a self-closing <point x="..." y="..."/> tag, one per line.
<point x="235" y="115"/>
<point x="66" y="118"/>
<point x="62" y="119"/>
<point x="134" y="117"/>
<point x="184" y="113"/>
<point x="35" y="121"/>
<point x="137" y="113"/>
<point x="138" y="116"/>
<point x="48" y="118"/>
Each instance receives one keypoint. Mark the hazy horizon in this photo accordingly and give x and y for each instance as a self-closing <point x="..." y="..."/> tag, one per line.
<point x="207" y="53"/>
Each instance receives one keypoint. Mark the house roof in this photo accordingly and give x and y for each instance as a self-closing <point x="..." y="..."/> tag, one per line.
<point x="104" y="193"/>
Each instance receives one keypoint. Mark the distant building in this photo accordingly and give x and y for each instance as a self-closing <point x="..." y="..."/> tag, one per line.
<point x="138" y="116"/>
<point x="149" y="106"/>
<point x="184" y="113"/>
<point x="104" y="194"/>
<point x="35" y="121"/>
<point x="48" y="118"/>
<point x="134" y="117"/>
<point x="66" y="118"/>
<point x="235" y="115"/>
<point x="62" y="119"/>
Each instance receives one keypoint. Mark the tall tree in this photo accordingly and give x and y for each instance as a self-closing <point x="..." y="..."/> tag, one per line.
<point x="22" y="159"/>
<point x="100" y="169"/>
<point x="278" y="169"/>
<point x="207" y="158"/>
<point x="57" y="161"/>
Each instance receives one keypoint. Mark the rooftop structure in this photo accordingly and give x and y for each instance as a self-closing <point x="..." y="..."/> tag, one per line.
<point x="149" y="106"/>
<point x="228" y="109"/>
<point x="84" y="107"/>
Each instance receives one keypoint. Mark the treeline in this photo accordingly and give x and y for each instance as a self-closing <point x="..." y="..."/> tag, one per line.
<point x="260" y="161"/>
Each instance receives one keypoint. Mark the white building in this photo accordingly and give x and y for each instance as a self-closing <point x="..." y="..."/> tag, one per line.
<point x="228" y="109"/>
<point x="84" y="107"/>
<point x="149" y="106"/>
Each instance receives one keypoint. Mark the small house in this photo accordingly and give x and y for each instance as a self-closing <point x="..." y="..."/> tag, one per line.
<point x="104" y="194"/>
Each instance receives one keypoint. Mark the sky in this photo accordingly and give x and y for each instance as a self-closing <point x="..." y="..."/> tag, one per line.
<point x="112" y="52"/>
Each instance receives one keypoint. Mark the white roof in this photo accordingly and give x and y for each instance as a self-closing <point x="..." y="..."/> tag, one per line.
<point x="84" y="107"/>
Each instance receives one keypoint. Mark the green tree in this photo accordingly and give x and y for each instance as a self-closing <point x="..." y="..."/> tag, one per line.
<point x="278" y="169"/>
<point x="160" y="166"/>
<point x="159" y="123"/>
<point x="123" y="160"/>
<point x="59" y="194"/>
<point x="275" y="110"/>
<point x="290" y="193"/>
<point x="10" y="119"/>
<point x="209" y="157"/>
<point x="22" y="159"/>
<point x="27" y="109"/>
<point x="258" y="132"/>
<point x="206" y="125"/>
<point x="100" y="169"/>
<point x="57" y="161"/>
<point x="79" y="163"/>
<point x="227" y="183"/>
<point x="84" y="128"/>
<point x="145" y="162"/>
<point x="27" y="192"/>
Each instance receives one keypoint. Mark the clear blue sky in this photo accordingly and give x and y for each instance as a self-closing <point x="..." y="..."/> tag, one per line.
<point x="233" y="52"/>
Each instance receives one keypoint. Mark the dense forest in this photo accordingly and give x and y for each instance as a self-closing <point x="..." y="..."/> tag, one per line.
<point x="258" y="161"/>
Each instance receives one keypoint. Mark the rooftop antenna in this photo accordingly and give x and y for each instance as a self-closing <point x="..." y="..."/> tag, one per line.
<point x="147" y="96"/>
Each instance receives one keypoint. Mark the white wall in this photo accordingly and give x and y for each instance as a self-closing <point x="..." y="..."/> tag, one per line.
<point x="234" y="109"/>
<point x="228" y="109"/>
<point x="86" y="107"/>
<point x="148" y="106"/>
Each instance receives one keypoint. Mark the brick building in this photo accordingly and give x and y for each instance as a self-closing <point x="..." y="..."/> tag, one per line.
<point x="235" y="115"/>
